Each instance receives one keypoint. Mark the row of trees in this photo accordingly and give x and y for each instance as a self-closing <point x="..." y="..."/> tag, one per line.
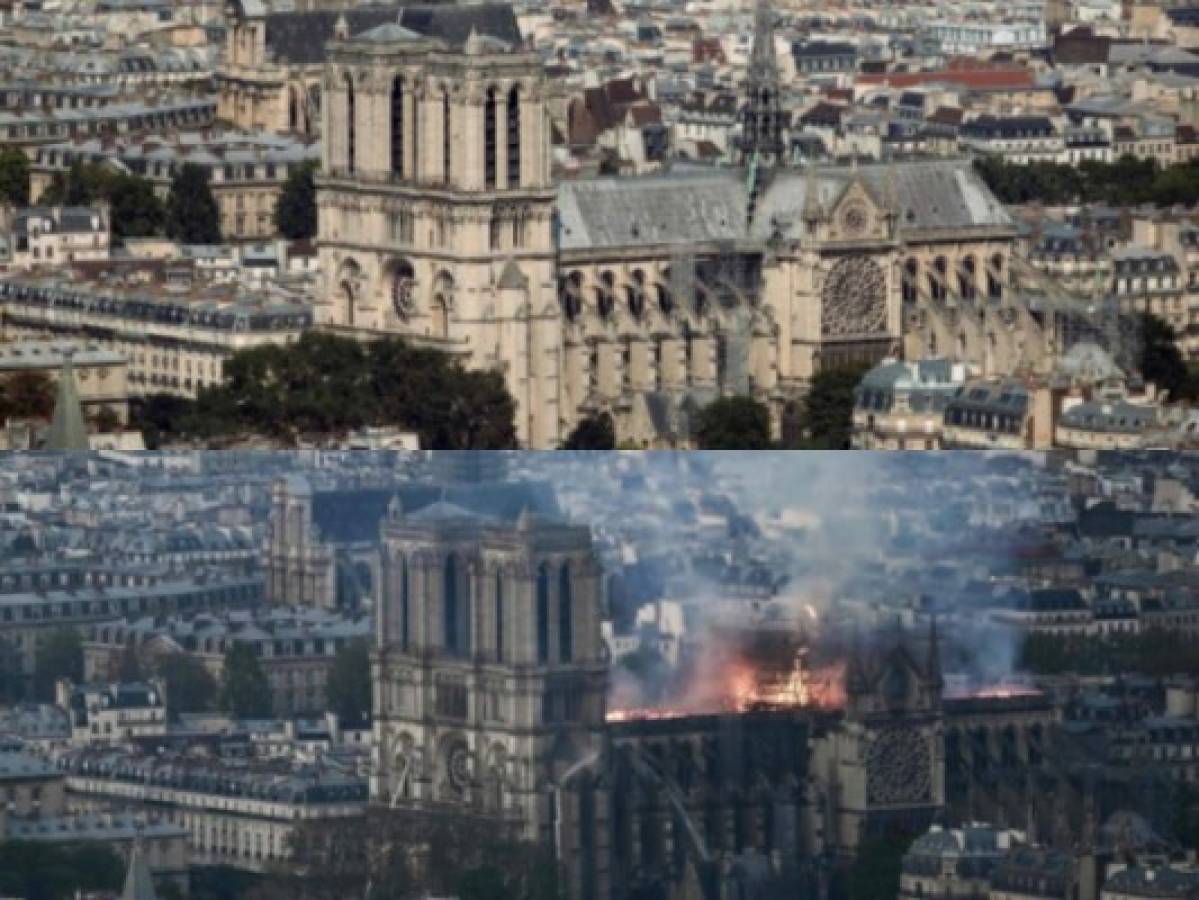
<point x="244" y="690"/>
<point x="1157" y="653"/>
<point x="190" y="213"/>
<point x="1127" y="181"/>
<point x="42" y="871"/>
<point x="822" y="421"/>
<point x="396" y="854"/>
<point x="325" y="384"/>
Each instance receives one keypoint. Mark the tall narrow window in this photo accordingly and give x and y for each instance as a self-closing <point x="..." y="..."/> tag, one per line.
<point x="415" y="173"/>
<point x="513" y="138"/>
<point x="489" y="139"/>
<point x="499" y="616"/>
<point x="449" y="610"/>
<point x="350" y="136"/>
<point x="405" y="603"/>
<point x="543" y="614"/>
<point x="447" y="136"/>
<point x="565" y="622"/>
<point x="397" y="127"/>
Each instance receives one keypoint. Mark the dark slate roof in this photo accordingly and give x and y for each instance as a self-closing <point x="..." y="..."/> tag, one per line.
<point x="354" y="516"/>
<point x="300" y="37"/>
<point x="453" y="24"/>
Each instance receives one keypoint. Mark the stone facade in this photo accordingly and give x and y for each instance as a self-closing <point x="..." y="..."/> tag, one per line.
<point x="489" y="674"/>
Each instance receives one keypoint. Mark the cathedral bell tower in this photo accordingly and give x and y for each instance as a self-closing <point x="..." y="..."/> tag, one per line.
<point x="488" y="670"/>
<point x="435" y="198"/>
<point x="761" y="141"/>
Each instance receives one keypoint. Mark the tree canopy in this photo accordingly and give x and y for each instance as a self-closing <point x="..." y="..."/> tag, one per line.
<point x="349" y="684"/>
<point x="192" y="214"/>
<point x="44" y="871"/>
<point x="733" y="423"/>
<point x="26" y="395"/>
<point x="245" y="692"/>
<point x="1125" y="182"/>
<point x="1156" y="653"/>
<point x="595" y="432"/>
<point x="397" y="854"/>
<point x="59" y="655"/>
<point x="325" y="384"/>
<point x="189" y="686"/>
<point x="1162" y="362"/>
<point x="14" y="176"/>
<point x="295" y="211"/>
<point x="135" y="209"/>
<point x="826" y="413"/>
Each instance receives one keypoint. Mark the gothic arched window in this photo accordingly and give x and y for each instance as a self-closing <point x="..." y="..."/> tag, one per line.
<point x="405" y="603"/>
<point x="543" y="614"/>
<point x="910" y="284"/>
<point x="565" y="615"/>
<point x="447" y="137"/>
<point x="499" y="616"/>
<point x="397" y="126"/>
<point x="967" y="279"/>
<point x="489" y="140"/>
<point x="350" y="135"/>
<point x="513" y="138"/>
<point x="456" y="617"/>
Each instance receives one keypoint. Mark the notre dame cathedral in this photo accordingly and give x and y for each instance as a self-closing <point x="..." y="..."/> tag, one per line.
<point x="490" y="696"/>
<point x="645" y="296"/>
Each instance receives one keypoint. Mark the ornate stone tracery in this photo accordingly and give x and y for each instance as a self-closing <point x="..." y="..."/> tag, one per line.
<point x="854" y="299"/>
<point x="899" y="767"/>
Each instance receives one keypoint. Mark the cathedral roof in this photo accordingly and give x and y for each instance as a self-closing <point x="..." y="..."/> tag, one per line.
<point x="454" y="24"/>
<point x="699" y="205"/>
<point x="354" y="516"/>
<point x="300" y="37"/>
<point x="443" y="510"/>
<point x="388" y="33"/>
<point x="677" y="208"/>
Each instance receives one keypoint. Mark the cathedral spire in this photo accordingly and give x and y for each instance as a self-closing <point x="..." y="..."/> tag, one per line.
<point x="762" y="117"/>
<point x="933" y="666"/>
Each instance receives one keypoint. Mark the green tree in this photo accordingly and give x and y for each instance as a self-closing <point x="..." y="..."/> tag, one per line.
<point x="245" y="691"/>
<point x="41" y="871"/>
<point x="136" y="210"/>
<point x="192" y="213"/>
<point x="349" y="685"/>
<point x="59" y="655"/>
<point x="875" y="872"/>
<point x="26" y="395"/>
<point x="157" y="416"/>
<point x="106" y="420"/>
<point x="595" y="432"/>
<point x="733" y="423"/>
<point x="1161" y="360"/>
<point x="295" y="211"/>
<point x="827" y="420"/>
<point x="326" y="384"/>
<point x="14" y="176"/>
<point x="189" y="686"/>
